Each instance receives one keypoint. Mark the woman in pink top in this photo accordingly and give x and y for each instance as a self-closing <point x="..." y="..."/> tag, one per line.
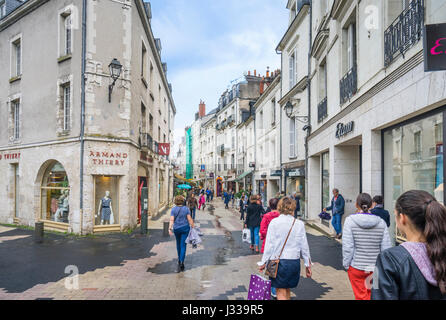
<point x="267" y="218"/>
<point x="202" y="201"/>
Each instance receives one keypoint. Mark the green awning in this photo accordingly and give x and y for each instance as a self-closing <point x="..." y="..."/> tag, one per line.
<point x="247" y="173"/>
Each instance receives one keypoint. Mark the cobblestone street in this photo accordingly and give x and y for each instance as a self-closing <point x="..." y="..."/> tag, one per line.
<point x="123" y="266"/>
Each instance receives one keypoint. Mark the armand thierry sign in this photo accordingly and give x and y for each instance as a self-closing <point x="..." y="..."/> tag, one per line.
<point x="435" y="47"/>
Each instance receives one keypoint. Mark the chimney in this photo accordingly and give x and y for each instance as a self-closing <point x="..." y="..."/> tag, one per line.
<point x="267" y="72"/>
<point x="255" y="73"/>
<point x="202" y="109"/>
<point x="262" y="86"/>
<point x="249" y="72"/>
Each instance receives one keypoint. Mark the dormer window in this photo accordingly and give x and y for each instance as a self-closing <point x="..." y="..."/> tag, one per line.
<point x="2" y="9"/>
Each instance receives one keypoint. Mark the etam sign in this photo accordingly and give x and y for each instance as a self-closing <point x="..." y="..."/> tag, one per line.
<point x="435" y="47"/>
<point x="344" y="129"/>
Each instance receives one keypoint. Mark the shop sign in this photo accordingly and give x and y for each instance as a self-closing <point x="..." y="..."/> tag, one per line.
<point x="108" y="158"/>
<point x="10" y="156"/>
<point x="276" y="173"/>
<point x="435" y="47"/>
<point x="297" y="173"/>
<point x="164" y="149"/>
<point x="252" y="164"/>
<point x="202" y="168"/>
<point x="344" y="129"/>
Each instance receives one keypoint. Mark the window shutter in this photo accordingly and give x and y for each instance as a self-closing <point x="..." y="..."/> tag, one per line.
<point x="291" y="65"/>
<point x="292" y="138"/>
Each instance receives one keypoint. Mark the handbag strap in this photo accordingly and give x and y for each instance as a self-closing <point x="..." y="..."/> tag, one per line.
<point x="287" y="238"/>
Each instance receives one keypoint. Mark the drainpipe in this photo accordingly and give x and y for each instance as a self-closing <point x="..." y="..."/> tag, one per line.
<point x="309" y="110"/>
<point x="82" y="133"/>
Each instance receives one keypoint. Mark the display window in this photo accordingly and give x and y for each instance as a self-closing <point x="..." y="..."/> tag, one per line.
<point x="297" y="184"/>
<point x="325" y="168"/>
<point x="55" y="194"/>
<point x="106" y="200"/>
<point x="413" y="160"/>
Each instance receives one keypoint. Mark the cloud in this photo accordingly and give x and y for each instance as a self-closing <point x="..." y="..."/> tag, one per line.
<point x="209" y="43"/>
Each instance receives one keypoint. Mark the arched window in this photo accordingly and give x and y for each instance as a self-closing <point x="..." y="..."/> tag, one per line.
<point x="55" y="194"/>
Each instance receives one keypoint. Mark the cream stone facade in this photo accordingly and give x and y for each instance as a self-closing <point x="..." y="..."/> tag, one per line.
<point x="364" y="96"/>
<point x="42" y="131"/>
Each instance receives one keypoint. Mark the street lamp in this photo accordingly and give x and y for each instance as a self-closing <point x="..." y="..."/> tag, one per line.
<point x="289" y="111"/>
<point x="115" y="72"/>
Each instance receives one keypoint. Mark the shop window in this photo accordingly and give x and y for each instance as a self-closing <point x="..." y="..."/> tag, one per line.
<point x="55" y="194"/>
<point x="413" y="160"/>
<point x="325" y="169"/>
<point x="106" y="200"/>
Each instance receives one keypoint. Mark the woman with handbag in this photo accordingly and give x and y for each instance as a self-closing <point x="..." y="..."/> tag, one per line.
<point x="180" y="224"/>
<point x="253" y="221"/>
<point x="286" y="241"/>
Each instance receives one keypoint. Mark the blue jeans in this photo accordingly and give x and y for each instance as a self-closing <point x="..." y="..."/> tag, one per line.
<point x="273" y="291"/>
<point x="337" y="223"/>
<point x="255" y="238"/>
<point x="181" y="235"/>
<point x="193" y="211"/>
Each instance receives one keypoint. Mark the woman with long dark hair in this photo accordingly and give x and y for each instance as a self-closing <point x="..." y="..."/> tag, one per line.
<point x="415" y="270"/>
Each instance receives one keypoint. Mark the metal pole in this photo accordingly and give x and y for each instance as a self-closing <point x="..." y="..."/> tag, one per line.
<point x="82" y="133"/>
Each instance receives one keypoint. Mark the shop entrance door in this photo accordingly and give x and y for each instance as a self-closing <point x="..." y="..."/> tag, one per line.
<point x="142" y="183"/>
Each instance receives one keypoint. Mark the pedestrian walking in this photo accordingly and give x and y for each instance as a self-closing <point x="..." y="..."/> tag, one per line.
<point x="242" y="205"/>
<point x="415" y="270"/>
<point x="212" y="195"/>
<point x="337" y="207"/>
<point x="266" y="220"/>
<point x="378" y="209"/>
<point x="365" y="236"/>
<point x="286" y="241"/>
<point x="202" y="202"/>
<point x="253" y="221"/>
<point x="180" y="224"/>
<point x="208" y="195"/>
<point x="192" y="203"/>
<point x="227" y="198"/>
<point x="297" y="210"/>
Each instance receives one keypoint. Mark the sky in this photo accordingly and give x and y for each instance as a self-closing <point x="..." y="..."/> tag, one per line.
<point x="209" y="43"/>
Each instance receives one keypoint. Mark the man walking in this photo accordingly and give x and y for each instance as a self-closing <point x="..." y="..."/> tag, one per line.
<point x="378" y="209"/>
<point x="208" y="195"/>
<point x="337" y="207"/>
<point x="227" y="198"/>
<point x="192" y="203"/>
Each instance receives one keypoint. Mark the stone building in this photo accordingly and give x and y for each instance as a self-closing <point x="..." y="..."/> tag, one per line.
<point x="69" y="133"/>
<point x="376" y="116"/>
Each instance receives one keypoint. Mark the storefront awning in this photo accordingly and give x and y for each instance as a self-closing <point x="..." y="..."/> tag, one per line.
<point x="247" y="173"/>
<point x="180" y="178"/>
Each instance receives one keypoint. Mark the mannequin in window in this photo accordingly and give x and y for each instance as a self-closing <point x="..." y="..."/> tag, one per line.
<point x="105" y="210"/>
<point x="61" y="214"/>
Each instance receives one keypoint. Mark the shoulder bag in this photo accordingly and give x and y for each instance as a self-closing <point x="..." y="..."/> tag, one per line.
<point x="272" y="266"/>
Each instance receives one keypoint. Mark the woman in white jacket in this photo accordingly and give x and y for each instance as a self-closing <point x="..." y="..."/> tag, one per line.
<point x="365" y="237"/>
<point x="296" y="246"/>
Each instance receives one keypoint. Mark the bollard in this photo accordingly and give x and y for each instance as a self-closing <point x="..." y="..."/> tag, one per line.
<point x="144" y="222"/>
<point x="166" y="229"/>
<point x="38" y="232"/>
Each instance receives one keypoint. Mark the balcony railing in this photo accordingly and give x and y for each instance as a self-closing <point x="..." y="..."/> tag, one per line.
<point x="322" y="110"/>
<point x="404" y="32"/>
<point x="349" y="85"/>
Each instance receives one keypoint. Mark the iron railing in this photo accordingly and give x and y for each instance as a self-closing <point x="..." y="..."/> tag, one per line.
<point x="349" y="84"/>
<point x="404" y="32"/>
<point x="322" y="110"/>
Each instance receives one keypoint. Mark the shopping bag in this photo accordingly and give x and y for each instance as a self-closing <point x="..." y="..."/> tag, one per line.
<point x="259" y="288"/>
<point x="325" y="216"/>
<point x="246" y="235"/>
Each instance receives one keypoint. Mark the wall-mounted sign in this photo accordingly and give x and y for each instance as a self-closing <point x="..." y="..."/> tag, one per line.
<point x="202" y="168"/>
<point x="300" y="172"/>
<point x="164" y="149"/>
<point x="10" y="156"/>
<point x="252" y="164"/>
<point x="344" y="129"/>
<point x="108" y="158"/>
<point x="276" y="173"/>
<point x="435" y="47"/>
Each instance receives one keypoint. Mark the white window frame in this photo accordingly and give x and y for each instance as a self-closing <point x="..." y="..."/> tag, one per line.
<point x="67" y="22"/>
<point x="66" y="103"/>
<point x="292" y="70"/>
<point x="68" y="38"/>
<point x="16" y="60"/>
<point x="15" y="105"/>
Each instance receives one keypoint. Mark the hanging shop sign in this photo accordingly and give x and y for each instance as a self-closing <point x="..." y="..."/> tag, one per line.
<point x="164" y="149"/>
<point x="435" y="47"/>
<point x="108" y="158"/>
<point x="344" y="129"/>
<point x="202" y="168"/>
<point x="10" y="156"/>
<point x="276" y="173"/>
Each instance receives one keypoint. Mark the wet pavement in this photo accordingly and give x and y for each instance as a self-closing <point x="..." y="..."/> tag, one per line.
<point x="122" y="266"/>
